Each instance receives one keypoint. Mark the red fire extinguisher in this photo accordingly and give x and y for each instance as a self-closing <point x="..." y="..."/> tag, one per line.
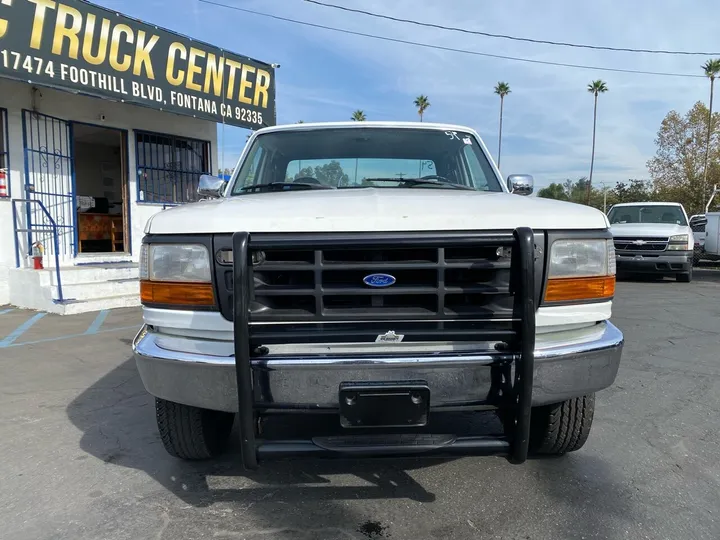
<point x="37" y="256"/>
<point x="3" y="183"/>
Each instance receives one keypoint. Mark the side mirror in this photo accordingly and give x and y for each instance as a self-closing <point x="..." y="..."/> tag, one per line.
<point x="520" y="184"/>
<point x="211" y="186"/>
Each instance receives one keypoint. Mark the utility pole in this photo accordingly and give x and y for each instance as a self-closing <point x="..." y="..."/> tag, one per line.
<point x="604" y="185"/>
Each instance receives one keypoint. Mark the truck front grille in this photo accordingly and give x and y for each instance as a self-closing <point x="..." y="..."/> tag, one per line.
<point x="452" y="282"/>
<point x="640" y="244"/>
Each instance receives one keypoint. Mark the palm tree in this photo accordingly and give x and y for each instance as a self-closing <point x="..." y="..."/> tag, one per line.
<point x="502" y="89"/>
<point x="712" y="70"/>
<point x="595" y="88"/>
<point x="358" y="116"/>
<point x="422" y="103"/>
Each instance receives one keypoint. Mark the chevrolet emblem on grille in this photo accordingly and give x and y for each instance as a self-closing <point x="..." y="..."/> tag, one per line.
<point x="639" y="242"/>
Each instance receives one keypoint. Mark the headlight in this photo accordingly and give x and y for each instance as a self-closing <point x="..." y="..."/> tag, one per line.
<point x="580" y="270"/>
<point x="582" y="258"/>
<point x="680" y="242"/>
<point x="175" y="262"/>
<point x="176" y="275"/>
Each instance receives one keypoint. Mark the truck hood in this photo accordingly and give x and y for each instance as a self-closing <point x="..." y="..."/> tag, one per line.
<point x="648" y="229"/>
<point x="374" y="209"/>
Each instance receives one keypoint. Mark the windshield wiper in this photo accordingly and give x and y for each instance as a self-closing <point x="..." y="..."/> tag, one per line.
<point x="284" y="186"/>
<point x="422" y="181"/>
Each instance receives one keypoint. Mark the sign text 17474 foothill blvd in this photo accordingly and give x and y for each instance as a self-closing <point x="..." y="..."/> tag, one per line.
<point x="78" y="46"/>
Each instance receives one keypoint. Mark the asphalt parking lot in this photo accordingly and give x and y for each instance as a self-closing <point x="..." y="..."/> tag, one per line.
<point x="81" y="458"/>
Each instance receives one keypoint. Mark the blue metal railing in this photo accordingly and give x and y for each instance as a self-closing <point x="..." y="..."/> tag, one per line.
<point x="4" y="152"/>
<point x="53" y="229"/>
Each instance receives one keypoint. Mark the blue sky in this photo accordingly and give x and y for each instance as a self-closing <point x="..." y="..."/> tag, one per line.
<point x="548" y="116"/>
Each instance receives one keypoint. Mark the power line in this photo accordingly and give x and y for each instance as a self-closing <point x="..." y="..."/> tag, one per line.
<point x="513" y="38"/>
<point x="451" y="49"/>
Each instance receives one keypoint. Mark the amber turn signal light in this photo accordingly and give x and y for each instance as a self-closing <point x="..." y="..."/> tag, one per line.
<point x="585" y="288"/>
<point x="181" y="294"/>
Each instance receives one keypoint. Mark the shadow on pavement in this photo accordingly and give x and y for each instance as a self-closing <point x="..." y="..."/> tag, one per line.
<point x="585" y="490"/>
<point x="706" y="274"/>
<point x="116" y="418"/>
<point x="643" y="278"/>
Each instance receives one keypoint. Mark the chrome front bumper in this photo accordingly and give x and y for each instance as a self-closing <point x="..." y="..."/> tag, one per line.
<point x="201" y="372"/>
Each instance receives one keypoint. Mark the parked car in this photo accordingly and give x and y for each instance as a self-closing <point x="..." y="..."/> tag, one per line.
<point x="652" y="238"/>
<point x="380" y="274"/>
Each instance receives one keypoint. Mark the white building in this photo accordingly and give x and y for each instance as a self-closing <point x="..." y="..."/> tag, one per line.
<point x="131" y="160"/>
<point x="94" y="169"/>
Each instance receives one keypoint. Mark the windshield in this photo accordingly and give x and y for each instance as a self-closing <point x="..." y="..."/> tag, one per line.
<point x="343" y="158"/>
<point x="647" y="214"/>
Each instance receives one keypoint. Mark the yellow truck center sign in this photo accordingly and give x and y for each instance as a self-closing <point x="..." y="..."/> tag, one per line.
<point x="77" y="46"/>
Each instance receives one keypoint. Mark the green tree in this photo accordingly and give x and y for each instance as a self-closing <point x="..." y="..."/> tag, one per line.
<point x="577" y="191"/>
<point x="554" y="191"/>
<point x="712" y="70"/>
<point x="595" y="87"/>
<point x="422" y="103"/>
<point x="574" y="191"/>
<point x="502" y="89"/>
<point x="633" y="191"/>
<point x="330" y="174"/>
<point x="677" y="169"/>
<point x="358" y="116"/>
<point x="305" y="172"/>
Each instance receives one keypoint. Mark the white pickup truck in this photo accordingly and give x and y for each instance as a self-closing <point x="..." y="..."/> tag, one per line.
<point x="380" y="274"/>
<point x="653" y="238"/>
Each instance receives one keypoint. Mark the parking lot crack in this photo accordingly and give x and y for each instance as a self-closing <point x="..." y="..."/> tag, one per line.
<point x="163" y="527"/>
<point x="287" y="532"/>
<point x="115" y="403"/>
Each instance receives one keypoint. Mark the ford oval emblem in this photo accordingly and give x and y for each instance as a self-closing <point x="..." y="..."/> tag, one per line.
<point x="379" y="280"/>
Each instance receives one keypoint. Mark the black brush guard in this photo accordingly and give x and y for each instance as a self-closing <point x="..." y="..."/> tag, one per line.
<point x="521" y="347"/>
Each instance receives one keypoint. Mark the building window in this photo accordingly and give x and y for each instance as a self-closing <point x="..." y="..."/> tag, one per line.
<point x="169" y="167"/>
<point x="4" y="156"/>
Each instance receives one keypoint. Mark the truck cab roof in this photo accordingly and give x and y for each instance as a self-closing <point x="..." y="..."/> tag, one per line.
<point x="365" y="124"/>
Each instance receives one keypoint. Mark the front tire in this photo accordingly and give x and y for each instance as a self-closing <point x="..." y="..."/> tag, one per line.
<point x="562" y="427"/>
<point x="191" y="432"/>
<point x="686" y="277"/>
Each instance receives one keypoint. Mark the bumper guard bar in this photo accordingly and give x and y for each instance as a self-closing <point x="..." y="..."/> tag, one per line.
<point x="520" y="347"/>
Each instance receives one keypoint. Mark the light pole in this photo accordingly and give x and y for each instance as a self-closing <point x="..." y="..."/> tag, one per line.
<point x="604" y="185"/>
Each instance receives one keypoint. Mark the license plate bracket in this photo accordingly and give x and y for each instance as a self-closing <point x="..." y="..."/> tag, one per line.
<point x="384" y="404"/>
